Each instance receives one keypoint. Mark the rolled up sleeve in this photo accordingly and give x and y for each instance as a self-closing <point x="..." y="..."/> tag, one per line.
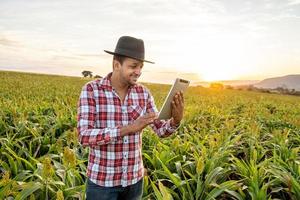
<point x="88" y="135"/>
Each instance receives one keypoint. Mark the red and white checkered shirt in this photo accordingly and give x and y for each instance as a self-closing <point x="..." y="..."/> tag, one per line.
<point x="114" y="160"/>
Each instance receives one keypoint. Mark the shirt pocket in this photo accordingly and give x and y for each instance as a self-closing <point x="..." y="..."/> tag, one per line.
<point x="135" y="111"/>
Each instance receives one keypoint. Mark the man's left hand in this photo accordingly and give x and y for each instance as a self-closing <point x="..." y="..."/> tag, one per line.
<point x="177" y="108"/>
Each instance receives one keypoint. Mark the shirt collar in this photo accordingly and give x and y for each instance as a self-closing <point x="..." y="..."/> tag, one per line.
<point x="106" y="83"/>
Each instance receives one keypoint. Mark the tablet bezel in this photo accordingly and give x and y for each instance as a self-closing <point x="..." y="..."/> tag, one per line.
<point x="178" y="85"/>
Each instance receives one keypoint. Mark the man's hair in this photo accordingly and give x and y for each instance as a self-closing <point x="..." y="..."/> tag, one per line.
<point x="119" y="58"/>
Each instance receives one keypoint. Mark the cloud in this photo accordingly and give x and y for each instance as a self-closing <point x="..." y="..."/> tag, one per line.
<point x="293" y="2"/>
<point x="8" y="42"/>
<point x="176" y="33"/>
<point x="104" y="55"/>
<point x="60" y="57"/>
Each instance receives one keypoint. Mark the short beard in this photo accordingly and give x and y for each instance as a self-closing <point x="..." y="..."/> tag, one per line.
<point x="125" y="81"/>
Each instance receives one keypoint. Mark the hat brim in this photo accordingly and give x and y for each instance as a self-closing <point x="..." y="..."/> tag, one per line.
<point x="113" y="53"/>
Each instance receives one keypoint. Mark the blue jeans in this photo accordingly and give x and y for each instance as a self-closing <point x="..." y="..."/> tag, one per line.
<point x="131" y="192"/>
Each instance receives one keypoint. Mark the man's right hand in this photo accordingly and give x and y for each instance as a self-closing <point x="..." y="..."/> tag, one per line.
<point x="143" y="121"/>
<point x="138" y="124"/>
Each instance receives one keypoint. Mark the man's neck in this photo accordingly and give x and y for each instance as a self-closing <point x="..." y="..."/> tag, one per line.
<point x="117" y="84"/>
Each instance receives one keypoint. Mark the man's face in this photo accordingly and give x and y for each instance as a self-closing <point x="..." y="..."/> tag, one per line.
<point x="130" y="70"/>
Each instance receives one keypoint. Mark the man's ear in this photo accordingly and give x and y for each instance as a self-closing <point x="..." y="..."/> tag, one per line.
<point x="116" y="65"/>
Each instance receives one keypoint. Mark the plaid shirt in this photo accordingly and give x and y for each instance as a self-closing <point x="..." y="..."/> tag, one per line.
<point x="114" y="160"/>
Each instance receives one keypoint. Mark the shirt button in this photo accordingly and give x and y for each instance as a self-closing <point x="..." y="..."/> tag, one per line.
<point x="125" y="154"/>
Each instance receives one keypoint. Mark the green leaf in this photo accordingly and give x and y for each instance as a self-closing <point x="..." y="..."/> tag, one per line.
<point x="156" y="191"/>
<point x="165" y="193"/>
<point x="74" y="190"/>
<point x="219" y="189"/>
<point x="29" y="188"/>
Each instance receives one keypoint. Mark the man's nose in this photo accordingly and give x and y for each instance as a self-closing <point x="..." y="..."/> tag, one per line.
<point x="138" y="71"/>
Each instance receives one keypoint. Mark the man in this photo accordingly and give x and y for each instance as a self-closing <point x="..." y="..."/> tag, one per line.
<point x="112" y="112"/>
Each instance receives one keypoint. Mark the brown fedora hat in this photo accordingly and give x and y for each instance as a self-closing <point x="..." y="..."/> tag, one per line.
<point x="130" y="47"/>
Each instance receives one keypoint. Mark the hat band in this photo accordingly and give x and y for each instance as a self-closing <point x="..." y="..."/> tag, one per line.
<point x="129" y="53"/>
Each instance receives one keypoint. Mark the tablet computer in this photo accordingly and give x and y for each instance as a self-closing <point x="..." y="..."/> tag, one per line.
<point x="179" y="85"/>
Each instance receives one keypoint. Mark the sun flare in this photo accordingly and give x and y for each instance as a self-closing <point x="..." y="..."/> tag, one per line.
<point x="222" y="59"/>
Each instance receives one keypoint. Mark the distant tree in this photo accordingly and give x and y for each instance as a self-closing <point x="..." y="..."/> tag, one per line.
<point x="250" y="88"/>
<point x="292" y="92"/>
<point x="265" y="90"/>
<point x="282" y="90"/>
<point x="297" y="93"/>
<point x="97" y="76"/>
<point x="86" y="73"/>
<point x="230" y="87"/>
<point x="216" y="86"/>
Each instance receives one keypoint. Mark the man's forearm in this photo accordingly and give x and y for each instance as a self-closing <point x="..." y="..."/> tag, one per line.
<point x="126" y="130"/>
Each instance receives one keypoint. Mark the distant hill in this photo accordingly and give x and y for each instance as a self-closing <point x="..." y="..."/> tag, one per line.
<point x="286" y="82"/>
<point x="228" y="82"/>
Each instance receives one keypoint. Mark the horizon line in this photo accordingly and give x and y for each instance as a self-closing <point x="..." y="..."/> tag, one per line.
<point x="193" y="82"/>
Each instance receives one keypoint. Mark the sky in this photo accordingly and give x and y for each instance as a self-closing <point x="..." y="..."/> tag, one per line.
<point x="200" y="40"/>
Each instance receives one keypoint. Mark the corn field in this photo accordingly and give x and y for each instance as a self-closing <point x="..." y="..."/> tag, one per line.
<point x="231" y="145"/>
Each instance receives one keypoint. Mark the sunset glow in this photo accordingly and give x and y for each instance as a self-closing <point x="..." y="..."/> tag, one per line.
<point x="205" y="41"/>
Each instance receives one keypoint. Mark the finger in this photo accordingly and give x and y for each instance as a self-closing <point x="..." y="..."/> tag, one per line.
<point x="150" y="121"/>
<point x="149" y="115"/>
<point x="174" y="105"/>
<point x="181" y="100"/>
<point x="152" y="118"/>
<point x="153" y="114"/>
<point x="175" y="96"/>
<point x="146" y="121"/>
<point x="182" y="104"/>
<point x="177" y="100"/>
<point x="181" y="96"/>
